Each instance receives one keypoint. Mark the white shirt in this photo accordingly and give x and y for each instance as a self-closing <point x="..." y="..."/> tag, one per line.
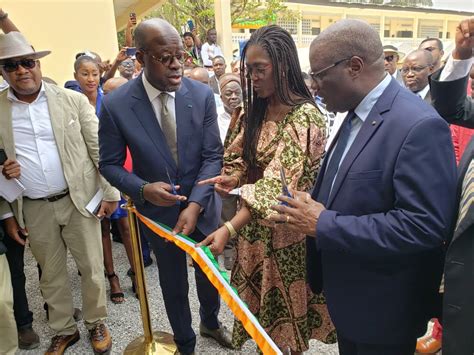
<point x="362" y="111"/>
<point x="223" y="120"/>
<point x="423" y="92"/>
<point x="456" y="69"/>
<point x="209" y="51"/>
<point x="35" y="146"/>
<point x="153" y="95"/>
<point x="219" y="104"/>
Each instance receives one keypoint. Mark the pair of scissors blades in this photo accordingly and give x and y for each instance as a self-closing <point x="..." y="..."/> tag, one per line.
<point x="173" y="188"/>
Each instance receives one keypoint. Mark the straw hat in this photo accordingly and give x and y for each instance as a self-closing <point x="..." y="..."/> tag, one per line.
<point x="14" y="44"/>
<point x="392" y="49"/>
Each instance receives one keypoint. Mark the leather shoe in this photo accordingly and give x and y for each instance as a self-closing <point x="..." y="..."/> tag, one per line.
<point x="100" y="339"/>
<point x="60" y="343"/>
<point x="221" y="335"/>
<point x="27" y="338"/>
<point x="428" y="345"/>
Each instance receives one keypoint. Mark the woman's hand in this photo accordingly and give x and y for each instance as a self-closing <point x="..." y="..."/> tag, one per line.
<point x="223" y="184"/>
<point x="216" y="241"/>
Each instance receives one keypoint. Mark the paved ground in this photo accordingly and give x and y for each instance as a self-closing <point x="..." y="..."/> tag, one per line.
<point x="124" y="319"/>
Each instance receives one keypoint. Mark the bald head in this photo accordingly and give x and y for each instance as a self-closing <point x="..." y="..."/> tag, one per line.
<point x="154" y="30"/>
<point x="347" y="38"/>
<point x="200" y="74"/>
<point x="113" y="83"/>
<point x="346" y="63"/>
<point x="417" y="67"/>
<point x="422" y="56"/>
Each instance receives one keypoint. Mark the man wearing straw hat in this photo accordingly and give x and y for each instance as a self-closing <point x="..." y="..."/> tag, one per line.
<point x="49" y="135"/>
<point x="391" y="57"/>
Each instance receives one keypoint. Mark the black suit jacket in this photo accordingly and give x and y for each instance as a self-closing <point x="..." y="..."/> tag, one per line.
<point x="449" y="98"/>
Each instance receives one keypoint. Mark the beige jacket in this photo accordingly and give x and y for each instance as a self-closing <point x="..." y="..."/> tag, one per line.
<point x="75" y="127"/>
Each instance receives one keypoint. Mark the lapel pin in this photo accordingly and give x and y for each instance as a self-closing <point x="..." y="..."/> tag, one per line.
<point x="374" y="123"/>
<point x="190" y="106"/>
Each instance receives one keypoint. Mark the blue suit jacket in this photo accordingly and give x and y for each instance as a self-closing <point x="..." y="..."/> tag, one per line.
<point x="127" y="119"/>
<point x="391" y="209"/>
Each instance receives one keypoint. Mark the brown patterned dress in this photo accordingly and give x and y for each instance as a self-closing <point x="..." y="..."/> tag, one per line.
<point x="270" y="269"/>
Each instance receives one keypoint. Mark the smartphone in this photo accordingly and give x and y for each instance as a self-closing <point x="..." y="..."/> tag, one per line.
<point x="3" y="157"/>
<point x="131" y="51"/>
<point x="191" y="25"/>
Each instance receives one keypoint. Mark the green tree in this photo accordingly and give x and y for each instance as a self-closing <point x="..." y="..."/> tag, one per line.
<point x="201" y="12"/>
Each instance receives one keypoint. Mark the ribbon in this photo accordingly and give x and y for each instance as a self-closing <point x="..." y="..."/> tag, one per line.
<point x="219" y="279"/>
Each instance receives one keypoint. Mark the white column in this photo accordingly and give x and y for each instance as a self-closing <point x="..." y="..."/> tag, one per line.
<point x="224" y="27"/>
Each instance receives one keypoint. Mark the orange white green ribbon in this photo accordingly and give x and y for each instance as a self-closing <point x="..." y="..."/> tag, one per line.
<point x="219" y="279"/>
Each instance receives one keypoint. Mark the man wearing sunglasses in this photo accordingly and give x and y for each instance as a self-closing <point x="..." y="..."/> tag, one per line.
<point x="170" y="125"/>
<point x="391" y="58"/>
<point x="50" y="134"/>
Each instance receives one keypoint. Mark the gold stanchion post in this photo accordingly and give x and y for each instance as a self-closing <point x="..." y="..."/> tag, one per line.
<point x="150" y="343"/>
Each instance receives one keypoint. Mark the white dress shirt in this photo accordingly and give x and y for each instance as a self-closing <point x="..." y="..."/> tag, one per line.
<point x="362" y="112"/>
<point x="423" y="92"/>
<point x="35" y="146"/>
<point x="153" y="95"/>
<point x="209" y="51"/>
<point x="223" y="120"/>
<point x="456" y="69"/>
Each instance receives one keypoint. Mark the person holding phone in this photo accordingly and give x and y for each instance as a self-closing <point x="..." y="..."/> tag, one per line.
<point x="282" y="129"/>
<point x="192" y="45"/>
<point x="52" y="133"/>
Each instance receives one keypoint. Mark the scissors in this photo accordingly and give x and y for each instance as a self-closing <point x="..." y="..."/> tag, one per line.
<point x="173" y="188"/>
<point x="284" y="186"/>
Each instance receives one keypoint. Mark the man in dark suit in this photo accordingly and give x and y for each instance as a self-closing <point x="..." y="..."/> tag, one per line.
<point x="169" y="124"/>
<point x="386" y="196"/>
<point x="448" y="88"/>
<point x="417" y="67"/>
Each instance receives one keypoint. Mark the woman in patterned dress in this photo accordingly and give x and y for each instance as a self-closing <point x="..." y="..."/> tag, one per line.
<point x="281" y="128"/>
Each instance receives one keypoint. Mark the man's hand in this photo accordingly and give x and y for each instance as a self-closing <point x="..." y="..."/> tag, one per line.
<point x="223" y="184"/>
<point x="216" y="240"/>
<point x="14" y="231"/>
<point x="107" y="208"/>
<point x="302" y="213"/>
<point x="464" y="39"/>
<point x="160" y="194"/>
<point x="122" y="55"/>
<point x="187" y="219"/>
<point x="11" y="169"/>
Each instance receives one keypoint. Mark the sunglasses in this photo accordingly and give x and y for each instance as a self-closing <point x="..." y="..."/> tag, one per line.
<point x="11" y="66"/>
<point x="389" y="58"/>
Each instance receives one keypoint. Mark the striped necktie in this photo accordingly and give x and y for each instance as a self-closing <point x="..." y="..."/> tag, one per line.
<point x="467" y="194"/>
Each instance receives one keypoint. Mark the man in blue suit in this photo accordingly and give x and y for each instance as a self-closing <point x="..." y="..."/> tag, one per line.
<point x="170" y="125"/>
<point x="385" y="199"/>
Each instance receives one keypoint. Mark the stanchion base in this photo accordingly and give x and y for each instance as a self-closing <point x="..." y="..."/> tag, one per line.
<point x="162" y="343"/>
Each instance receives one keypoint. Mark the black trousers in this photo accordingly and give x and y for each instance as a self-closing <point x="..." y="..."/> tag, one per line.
<point x="15" y="256"/>
<point x="348" y="347"/>
<point x="172" y="269"/>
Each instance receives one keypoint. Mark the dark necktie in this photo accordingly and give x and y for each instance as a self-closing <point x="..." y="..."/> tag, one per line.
<point x="168" y="126"/>
<point x="333" y="164"/>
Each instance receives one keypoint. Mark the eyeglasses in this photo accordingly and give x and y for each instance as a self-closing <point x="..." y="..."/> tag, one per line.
<point x="11" y="66"/>
<point x="167" y="59"/>
<point x="317" y="76"/>
<point x="416" y="69"/>
<point x="127" y="64"/>
<point x="259" y="70"/>
<point x="390" y="58"/>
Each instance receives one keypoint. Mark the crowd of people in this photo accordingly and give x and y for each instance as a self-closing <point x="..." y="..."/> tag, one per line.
<point x="341" y="198"/>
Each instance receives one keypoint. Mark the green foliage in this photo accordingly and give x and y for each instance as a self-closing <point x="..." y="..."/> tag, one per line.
<point x="177" y="12"/>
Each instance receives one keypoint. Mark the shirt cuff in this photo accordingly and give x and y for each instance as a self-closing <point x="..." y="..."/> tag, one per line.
<point x="6" y="215"/>
<point x="455" y="69"/>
